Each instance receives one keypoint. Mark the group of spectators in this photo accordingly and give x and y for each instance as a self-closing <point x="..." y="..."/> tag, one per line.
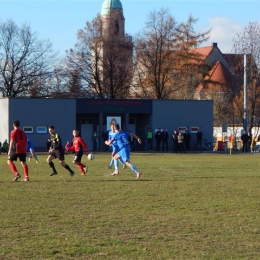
<point x="181" y="140"/>
<point x="4" y="147"/>
<point x="249" y="142"/>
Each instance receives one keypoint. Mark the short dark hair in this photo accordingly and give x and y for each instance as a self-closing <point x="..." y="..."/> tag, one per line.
<point x="117" y="126"/>
<point x="51" y="127"/>
<point x="16" y="123"/>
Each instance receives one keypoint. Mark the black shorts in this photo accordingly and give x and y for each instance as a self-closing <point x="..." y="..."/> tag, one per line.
<point x="14" y="156"/>
<point x="78" y="156"/>
<point x="58" y="154"/>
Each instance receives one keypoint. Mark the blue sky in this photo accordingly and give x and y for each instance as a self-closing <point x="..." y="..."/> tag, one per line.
<point x="59" y="20"/>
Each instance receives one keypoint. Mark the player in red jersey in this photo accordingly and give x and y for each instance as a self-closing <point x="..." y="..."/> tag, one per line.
<point x="17" y="149"/>
<point x="78" y="146"/>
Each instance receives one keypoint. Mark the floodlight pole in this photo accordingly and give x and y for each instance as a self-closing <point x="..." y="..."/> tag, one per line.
<point x="245" y="94"/>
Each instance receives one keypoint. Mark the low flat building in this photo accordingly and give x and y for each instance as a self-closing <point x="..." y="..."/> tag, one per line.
<point x="95" y="115"/>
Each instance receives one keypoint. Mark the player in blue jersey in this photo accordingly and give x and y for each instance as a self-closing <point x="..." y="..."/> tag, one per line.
<point x="111" y="134"/>
<point x="121" y="141"/>
<point x="30" y="150"/>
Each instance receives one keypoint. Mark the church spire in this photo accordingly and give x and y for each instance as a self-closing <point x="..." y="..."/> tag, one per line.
<point x="111" y="5"/>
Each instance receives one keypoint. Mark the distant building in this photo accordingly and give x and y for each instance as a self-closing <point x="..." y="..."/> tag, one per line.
<point x="95" y="115"/>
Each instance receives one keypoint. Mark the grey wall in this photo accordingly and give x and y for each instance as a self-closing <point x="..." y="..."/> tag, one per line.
<point x="172" y="114"/>
<point x="4" y="115"/>
<point x="61" y="113"/>
<point x="44" y="112"/>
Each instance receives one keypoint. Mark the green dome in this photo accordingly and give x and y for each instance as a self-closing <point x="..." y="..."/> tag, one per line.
<point x="111" y="4"/>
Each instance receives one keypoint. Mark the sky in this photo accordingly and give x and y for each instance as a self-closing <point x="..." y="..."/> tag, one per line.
<point x="59" y="20"/>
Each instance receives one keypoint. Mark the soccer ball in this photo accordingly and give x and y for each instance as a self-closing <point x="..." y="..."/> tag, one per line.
<point x="91" y="156"/>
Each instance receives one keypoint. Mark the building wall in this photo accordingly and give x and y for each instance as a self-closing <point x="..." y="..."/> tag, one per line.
<point x="66" y="115"/>
<point x="42" y="112"/>
<point x="4" y="126"/>
<point x="172" y="114"/>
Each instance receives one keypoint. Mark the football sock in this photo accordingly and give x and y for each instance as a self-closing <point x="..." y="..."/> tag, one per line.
<point x="111" y="162"/>
<point x="52" y="166"/>
<point x="25" y="171"/>
<point x="133" y="168"/>
<point x="35" y="157"/>
<point x="81" y="169"/>
<point x="121" y="160"/>
<point x="67" y="168"/>
<point x="13" y="168"/>
<point x="81" y="165"/>
<point x="116" y="165"/>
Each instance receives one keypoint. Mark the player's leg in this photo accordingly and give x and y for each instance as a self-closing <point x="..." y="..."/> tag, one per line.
<point x="34" y="155"/>
<point x="77" y="160"/>
<point x="126" y="158"/>
<point x="61" y="157"/>
<point x="51" y="164"/>
<point x="22" y="158"/>
<point x="10" y="162"/>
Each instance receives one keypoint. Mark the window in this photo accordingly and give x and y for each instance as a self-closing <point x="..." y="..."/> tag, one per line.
<point x="28" y="129"/>
<point x="41" y="129"/>
<point x="194" y="129"/>
<point x="182" y="129"/>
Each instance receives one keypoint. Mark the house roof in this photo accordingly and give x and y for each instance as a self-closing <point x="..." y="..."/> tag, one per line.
<point x="218" y="77"/>
<point x="204" y="51"/>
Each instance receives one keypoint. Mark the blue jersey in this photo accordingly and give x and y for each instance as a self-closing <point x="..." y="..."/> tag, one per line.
<point x="30" y="147"/>
<point x="121" y="139"/>
<point x="111" y="135"/>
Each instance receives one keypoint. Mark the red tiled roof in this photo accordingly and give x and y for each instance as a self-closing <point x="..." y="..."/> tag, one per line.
<point x="204" y="51"/>
<point x="218" y="75"/>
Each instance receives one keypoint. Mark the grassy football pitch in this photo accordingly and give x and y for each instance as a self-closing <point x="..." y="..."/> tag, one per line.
<point x="184" y="206"/>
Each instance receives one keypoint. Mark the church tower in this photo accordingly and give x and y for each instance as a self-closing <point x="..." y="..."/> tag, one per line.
<point x="113" y="21"/>
<point x="117" y="47"/>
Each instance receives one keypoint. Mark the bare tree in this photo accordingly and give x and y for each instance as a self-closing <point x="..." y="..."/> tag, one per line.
<point x="164" y="63"/>
<point x="154" y="48"/>
<point x="102" y="61"/>
<point x="190" y="67"/>
<point x="23" y="60"/>
<point x="248" y="42"/>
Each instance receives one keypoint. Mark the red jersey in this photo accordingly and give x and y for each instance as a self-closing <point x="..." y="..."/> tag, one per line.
<point x="78" y="144"/>
<point x="20" y="140"/>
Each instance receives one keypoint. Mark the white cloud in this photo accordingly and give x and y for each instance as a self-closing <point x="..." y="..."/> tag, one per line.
<point x="223" y="31"/>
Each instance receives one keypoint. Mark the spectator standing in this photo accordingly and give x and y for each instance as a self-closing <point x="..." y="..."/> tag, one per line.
<point x="149" y="139"/>
<point x="95" y="141"/>
<point x="181" y="143"/>
<point x="5" y="147"/>
<point x="199" y="140"/>
<point x="187" y="138"/>
<point x="245" y="139"/>
<point x="131" y="141"/>
<point x="175" y="141"/>
<point x="158" y="139"/>
<point x="105" y="137"/>
<point x="67" y="145"/>
<point x="165" y="137"/>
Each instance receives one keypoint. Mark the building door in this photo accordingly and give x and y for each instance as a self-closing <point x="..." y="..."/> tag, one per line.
<point x="131" y="125"/>
<point x="87" y="131"/>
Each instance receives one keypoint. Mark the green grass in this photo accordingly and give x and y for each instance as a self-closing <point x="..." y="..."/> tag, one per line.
<point x="185" y="206"/>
